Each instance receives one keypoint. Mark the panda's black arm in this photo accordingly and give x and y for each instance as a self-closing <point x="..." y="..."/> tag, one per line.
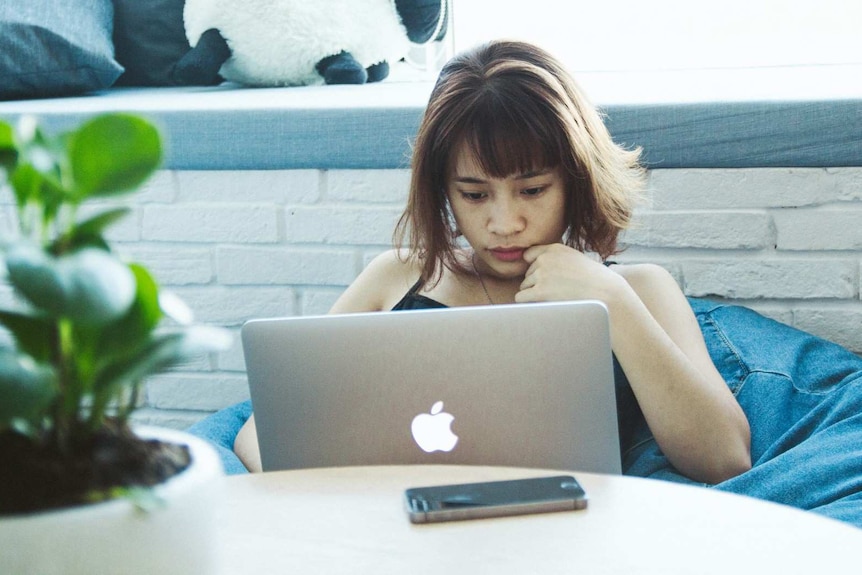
<point x="201" y="64"/>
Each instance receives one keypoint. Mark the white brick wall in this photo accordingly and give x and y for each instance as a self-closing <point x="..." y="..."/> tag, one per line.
<point x="785" y="241"/>
<point x="238" y="245"/>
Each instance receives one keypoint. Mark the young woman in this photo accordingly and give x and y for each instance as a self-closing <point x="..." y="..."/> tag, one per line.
<point x="518" y="195"/>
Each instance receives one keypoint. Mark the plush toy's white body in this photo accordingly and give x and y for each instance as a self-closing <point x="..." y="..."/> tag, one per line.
<point x="279" y="42"/>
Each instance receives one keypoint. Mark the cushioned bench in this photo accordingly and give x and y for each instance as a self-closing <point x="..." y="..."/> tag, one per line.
<point x="330" y="127"/>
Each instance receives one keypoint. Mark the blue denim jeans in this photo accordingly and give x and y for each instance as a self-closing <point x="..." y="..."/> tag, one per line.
<point x="221" y="429"/>
<point x="803" y="399"/>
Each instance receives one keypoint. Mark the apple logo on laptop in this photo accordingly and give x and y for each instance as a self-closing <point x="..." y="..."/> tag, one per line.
<point x="432" y="431"/>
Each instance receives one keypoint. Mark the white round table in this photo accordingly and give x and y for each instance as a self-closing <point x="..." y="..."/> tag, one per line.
<point x="352" y="520"/>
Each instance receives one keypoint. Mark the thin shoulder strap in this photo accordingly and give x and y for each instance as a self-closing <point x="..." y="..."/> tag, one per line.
<point x="416" y="287"/>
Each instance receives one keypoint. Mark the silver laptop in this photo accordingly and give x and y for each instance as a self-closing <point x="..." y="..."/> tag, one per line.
<point x="512" y="385"/>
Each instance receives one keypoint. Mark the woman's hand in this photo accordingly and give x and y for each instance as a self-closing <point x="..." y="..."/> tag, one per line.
<point x="560" y="273"/>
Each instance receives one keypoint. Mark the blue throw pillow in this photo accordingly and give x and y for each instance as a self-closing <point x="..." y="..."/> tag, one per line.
<point x="51" y="48"/>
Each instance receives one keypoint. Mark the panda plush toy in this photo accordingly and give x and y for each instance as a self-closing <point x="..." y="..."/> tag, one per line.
<point x="303" y="42"/>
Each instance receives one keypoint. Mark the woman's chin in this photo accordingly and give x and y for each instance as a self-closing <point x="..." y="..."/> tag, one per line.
<point x="507" y="271"/>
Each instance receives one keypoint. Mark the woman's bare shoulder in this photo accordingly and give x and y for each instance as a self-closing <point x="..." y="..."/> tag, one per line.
<point x="644" y="276"/>
<point x="382" y="283"/>
<point x="660" y="292"/>
<point x="654" y="285"/>
<point x="394" y="267"/>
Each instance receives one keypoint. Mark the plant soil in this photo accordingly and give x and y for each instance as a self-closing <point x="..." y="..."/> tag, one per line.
<point x="38" y="478"/>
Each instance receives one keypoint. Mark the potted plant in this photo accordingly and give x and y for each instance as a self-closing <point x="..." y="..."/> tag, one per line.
<point x="82" y="332"/>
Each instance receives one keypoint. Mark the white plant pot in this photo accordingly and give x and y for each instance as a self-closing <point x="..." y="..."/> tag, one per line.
<point x="177" y="536"/>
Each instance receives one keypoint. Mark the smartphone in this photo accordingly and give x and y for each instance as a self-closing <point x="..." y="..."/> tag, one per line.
<point x="494" y="499"/>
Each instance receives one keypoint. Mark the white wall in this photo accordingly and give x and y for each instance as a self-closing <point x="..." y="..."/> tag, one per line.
<point x="670" y="34"/>
<point x="238" y="245"/>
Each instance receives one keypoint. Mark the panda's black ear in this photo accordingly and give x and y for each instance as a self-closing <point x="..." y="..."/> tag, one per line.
<point x="424" y="20"/>
<point x="200" y="66"/>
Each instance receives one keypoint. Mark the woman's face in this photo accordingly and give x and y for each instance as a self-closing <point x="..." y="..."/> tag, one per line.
<point x="502" y="217"/>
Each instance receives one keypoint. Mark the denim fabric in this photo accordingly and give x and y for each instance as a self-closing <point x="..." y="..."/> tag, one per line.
<point x="803" y="399"/>
<point x="220" y="430"/>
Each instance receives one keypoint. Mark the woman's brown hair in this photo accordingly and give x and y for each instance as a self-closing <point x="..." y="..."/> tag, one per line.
<point x="517" y="109"/>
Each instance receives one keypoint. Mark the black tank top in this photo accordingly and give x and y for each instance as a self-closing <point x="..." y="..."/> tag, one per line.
<point x="413" y="300"/>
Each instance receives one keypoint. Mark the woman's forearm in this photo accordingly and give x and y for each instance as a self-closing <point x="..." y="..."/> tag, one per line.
<point x="693" y="415"/>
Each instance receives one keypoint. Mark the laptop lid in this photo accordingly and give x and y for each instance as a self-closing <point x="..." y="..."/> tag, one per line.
<point x="527" y="385"/>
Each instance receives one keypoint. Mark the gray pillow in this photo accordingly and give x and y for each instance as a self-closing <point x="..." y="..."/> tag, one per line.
<point x="52" y="48"/>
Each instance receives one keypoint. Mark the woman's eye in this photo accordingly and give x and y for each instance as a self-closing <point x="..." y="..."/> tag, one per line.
<point x="473" y="196"/>
<point x="533" y="191"/>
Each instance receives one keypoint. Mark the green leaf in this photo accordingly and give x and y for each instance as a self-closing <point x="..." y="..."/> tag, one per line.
<point x="35" y="275"/>
<point x="119" y="337"/>
<point x="146" y="305"/>
<point x="26" y="182"/>
<point x="89" y="232"/>
<point x="100" y="287"/>
<point x="27" y="388"/>
<point x="89" y="286"/>
<point x="156" y="355"/>
<point x="32" y="185"/>
<point x="175" y="308"/>
<point x="8" y="149"/>
<point x="37" y="149"/>
<point x="32" y="333"/>
<point x="165" y="350"/>
<point x="97" y="224"/>
<point x="7" y="136"/>
<point x="112" y="154"/>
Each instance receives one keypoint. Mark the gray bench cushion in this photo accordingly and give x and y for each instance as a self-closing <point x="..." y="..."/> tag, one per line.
<point x="371" y="126"/>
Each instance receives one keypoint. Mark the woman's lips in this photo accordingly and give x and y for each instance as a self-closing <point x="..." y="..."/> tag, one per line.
<point x="508" y="254"/>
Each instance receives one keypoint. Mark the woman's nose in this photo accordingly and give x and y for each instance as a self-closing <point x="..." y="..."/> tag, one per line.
<point x="505" y="219"/>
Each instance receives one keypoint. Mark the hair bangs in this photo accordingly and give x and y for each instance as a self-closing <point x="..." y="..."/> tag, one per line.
<point x="512" y="136"/>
